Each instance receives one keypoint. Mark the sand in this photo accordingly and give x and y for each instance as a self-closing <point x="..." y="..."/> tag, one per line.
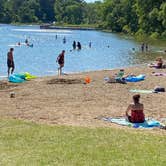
<point x="66" y="100"/>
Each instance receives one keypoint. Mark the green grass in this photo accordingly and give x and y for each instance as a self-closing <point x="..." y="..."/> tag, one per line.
<point x="23" y="143"/>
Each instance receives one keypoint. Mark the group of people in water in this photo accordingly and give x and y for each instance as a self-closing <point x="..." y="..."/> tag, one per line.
<point x="76" y="45"/>
<point x="26" y="43"/>
<point x="144" y="47"/>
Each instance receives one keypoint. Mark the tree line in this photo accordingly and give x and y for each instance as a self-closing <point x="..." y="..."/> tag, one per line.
<point x="138" y="17"/>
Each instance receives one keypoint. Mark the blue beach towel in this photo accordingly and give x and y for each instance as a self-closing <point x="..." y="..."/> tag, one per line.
<point x="140" y="77"/>
<point x="149" y="123"/>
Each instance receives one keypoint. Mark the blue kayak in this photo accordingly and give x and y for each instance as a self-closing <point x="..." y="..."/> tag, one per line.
<point x="140" y="77"/>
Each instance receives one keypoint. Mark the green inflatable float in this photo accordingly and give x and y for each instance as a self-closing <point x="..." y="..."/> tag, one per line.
<point x="20" y="77"/>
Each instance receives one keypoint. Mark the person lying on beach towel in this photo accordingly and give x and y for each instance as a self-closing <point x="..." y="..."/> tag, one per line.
<point x="158" y="64"/>
<point x="117" y="78"/>
<point x="158" y="74"/>
<point x="135" y="111"/>
<point x="157" y="89"/>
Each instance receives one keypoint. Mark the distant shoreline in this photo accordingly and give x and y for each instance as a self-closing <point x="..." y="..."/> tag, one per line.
<point x="49" y="26"/>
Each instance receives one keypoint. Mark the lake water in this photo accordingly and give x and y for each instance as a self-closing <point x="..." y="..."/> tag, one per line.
<point x="108" y="50"/>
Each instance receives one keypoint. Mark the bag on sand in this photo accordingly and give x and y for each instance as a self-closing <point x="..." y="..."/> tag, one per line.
<point x="159" y="89"/>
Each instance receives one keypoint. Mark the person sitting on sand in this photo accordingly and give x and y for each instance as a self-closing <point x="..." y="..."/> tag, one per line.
<point x="120" y="74"/>
<point x="159" y="63"/>
<point x="117" y="78"/>
<point x="136" y="110"/>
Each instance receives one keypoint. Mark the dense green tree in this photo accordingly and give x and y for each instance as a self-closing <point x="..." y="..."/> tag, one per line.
<point x="69" y="11"/>
<point x="147" y="11"/>
<point x="135" y="16"/>
<point x="140" y="17"/>
<point x="2" y="9"/>
<point x="93" y="13"/>
<point x="47" y="10"/>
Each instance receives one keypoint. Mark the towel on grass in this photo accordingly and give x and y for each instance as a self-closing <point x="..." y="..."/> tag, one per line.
<point x="149" y="123"/>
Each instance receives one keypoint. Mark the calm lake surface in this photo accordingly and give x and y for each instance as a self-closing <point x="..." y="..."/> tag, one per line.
<point x="108" y="50"/>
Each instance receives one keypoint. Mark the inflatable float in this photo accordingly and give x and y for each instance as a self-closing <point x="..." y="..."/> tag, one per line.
<point x="21" y="77"/>
<point x="15" y="79"/>
<point x="28" y="76"/>
<point x="131" y="78"/>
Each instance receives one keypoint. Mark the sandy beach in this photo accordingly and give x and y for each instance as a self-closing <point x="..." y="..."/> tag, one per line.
<point x="66" y="100"/>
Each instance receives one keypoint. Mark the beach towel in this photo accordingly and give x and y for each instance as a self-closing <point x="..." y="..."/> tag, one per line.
<point x="132" y="78"/>
<point x="149" y="123"/>
<point x="142" y="91"/>
<point x="159" y="74"/>
<point x="114" y="80"/>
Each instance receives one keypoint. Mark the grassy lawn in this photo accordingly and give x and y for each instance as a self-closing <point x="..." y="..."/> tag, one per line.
<point x="23" y="143"/>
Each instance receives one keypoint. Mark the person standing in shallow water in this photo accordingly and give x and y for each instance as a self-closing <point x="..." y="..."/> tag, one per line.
<point x="146" y="47"/>
<point x="10" y="61"/>
<point x="79" y="45"/>
<point x="64" y="40"/>
<point x="74" y="45"/>
<point x="90" y="44"/>
<point x="60" y="60"/>
<point x="26" y="41"/>
<point x="142" y="47"/>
